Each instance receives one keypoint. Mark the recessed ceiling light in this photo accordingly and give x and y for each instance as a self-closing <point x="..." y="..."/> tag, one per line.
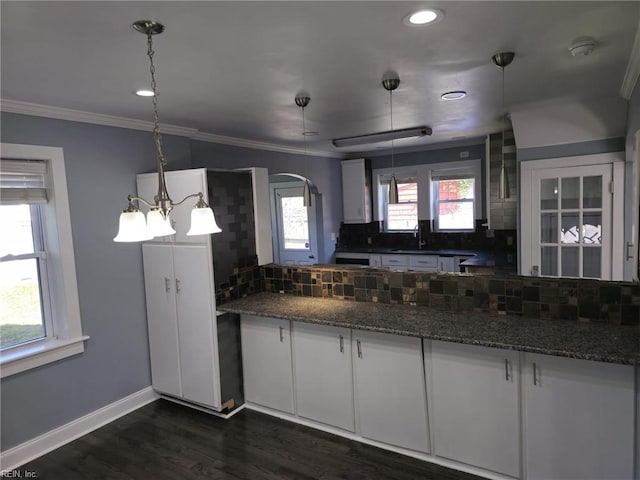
<point x="455" y="95"/>
<point x="144" y="93"/>
<point x="423" y="17"/>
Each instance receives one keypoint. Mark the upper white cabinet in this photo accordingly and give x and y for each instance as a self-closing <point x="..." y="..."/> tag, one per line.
<point x="579" y="419"/>
<point x="180" y="183"/>
<point x="323" y="374"/>
<point x="266" y="362"/>
<point x="390" y="389"/>
<point x="475" y="405"/>
<point x="356" y="191"/>
<point x="182" y="322"/>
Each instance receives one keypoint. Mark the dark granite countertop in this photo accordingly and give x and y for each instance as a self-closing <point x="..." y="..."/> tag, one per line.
<point x="589" y="341"/>
<point x="474" y="258"/>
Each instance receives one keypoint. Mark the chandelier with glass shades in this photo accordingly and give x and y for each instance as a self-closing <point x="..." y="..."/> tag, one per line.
<point x="133" y="226"/>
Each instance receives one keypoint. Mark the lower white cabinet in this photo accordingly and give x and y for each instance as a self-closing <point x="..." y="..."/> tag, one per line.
<point x="390" y="389"/>
<point x="181" y="319"/>
<point x="323" y="374"/>
<point x="266" y="362"/>
<point x="579" y="419"/>
<point x="475" y="405"/>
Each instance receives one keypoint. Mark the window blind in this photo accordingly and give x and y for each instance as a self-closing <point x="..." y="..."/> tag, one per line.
<point x="23" y="181"/>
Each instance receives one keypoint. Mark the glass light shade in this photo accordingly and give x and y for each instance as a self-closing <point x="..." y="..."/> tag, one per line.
<point x="306" y="194"/>
<point x="203" y="222"/>
<point x="393" y="190"/>
<point x="133" y="228"/>
<point x="158" y="225"/>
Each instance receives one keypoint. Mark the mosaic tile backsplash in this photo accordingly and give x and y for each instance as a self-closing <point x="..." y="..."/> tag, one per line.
<point x="546" y="298"/>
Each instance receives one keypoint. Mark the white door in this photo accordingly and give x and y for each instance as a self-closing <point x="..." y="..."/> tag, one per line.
<point x="572" y="217"/>
<point x="296" y="229"/>
<point x="390" y="389"/>
<point x="196" y="325"/>
<point x="266" y="362"/>
<point x="323" y="374"/>
<point x="159" y="284"/>
<point x="579" y="419"/>
<point x="475" y="405"/>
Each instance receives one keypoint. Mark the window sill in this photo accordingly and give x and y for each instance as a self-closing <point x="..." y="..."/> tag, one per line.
<point x="35" y="355"/>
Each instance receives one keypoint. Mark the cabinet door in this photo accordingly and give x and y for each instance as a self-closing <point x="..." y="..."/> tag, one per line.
<point x="196" y="325"/>
<point x="390" y="389"/>
<point x="475" y="409"/>
<point x="579" y="419"/>
<point x="446" y="264"/>
<point x="323" y="374"/>
<point x="159" y="283"/>
<point x="355" y="192"/>
<point x="180" y="184"/>
<point x="266" y="362"/>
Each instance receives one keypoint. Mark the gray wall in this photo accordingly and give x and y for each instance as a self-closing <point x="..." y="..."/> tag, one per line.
<point x="324" y="173"/>
<point x="101" y="164"/>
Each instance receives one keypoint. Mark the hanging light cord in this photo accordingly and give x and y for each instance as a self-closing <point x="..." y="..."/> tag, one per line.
<point x="304" y="136"/>
<point x="504" y="120"/>
<point x="391" y="115"/>
<point x="156" y="123"/>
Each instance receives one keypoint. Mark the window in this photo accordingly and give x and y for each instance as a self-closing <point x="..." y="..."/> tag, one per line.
<point x="39" y="308"/>
<point x="453" y="203"/>
<point x="402" y="216"/>
<point x="449" y="194"/>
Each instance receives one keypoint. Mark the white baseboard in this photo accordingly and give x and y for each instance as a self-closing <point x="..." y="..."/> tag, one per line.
<point x="36" y="447"/>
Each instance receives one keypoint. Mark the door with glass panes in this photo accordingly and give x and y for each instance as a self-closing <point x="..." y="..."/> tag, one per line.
<point x="296" y="227"/>
<point x="572" y="222"/>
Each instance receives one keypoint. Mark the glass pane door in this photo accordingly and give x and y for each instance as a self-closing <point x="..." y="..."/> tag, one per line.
<point x="573" y="221"/>
<point x="297" y="243"/>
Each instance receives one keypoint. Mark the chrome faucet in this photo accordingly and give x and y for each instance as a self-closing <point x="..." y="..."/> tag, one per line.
<point x="417" y="232"/>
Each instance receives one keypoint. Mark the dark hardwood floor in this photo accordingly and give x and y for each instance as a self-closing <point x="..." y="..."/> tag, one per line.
<point x="167" y="441"/>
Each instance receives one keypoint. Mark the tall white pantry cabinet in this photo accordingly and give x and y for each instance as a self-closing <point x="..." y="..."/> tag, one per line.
<point x="181" y="306"/>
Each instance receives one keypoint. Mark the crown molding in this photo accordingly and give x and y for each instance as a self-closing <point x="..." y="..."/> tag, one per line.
<point x="633" y="69"/>
<point x="241" y="142"/>
<point x="26" y="108"/>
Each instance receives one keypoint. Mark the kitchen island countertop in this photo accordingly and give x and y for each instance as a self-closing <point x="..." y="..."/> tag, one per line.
<point x="588" y="341"/>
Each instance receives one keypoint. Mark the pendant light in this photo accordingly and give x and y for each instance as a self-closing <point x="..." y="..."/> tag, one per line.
<point x="503" y="60"/>
<point x="302" y="100"/>
<point x="132" y="225"/>
<point x="390" y="82"/>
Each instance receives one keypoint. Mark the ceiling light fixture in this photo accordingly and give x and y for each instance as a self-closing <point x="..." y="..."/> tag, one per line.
<point x="132" y="227"/>
<point x="391" y="81"/>
<point x="423" y="17"/>
<point x="582" y="46"/>
<point x="455" y="95"/>
<point x="503" y="60"/>
<point x="144" y="93"/>
<point x="302" y="100"/>
<point x="382" y="136"/>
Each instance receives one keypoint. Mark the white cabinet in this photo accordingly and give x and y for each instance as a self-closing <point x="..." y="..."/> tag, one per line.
<point x="390" y="389"/>
<point x="179" y="184"/>
<point x="397" y="262"/>
<point x="375" y="260"/>
<point x="579" y="419"/>
<point x="446" y="264"/>
<point x="423" y="263"/>
<point x="266" y="362"/>
<point x="323" y="374"/>
<point x="182" y="322"/>
<point x="475" y="405"/>
<point x="356" y="191"/>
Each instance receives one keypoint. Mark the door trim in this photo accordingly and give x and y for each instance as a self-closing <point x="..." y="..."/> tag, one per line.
<point x="616" y="160"/>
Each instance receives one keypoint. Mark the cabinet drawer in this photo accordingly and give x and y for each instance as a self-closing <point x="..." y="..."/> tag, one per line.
<point x="424" y="261"/>
<point x="394" y="260"/>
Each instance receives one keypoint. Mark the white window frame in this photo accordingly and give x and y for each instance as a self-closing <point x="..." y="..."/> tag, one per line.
<point x="424" y="173"/>
<point x="66" y="338"/>
<point x="616" y="160"/>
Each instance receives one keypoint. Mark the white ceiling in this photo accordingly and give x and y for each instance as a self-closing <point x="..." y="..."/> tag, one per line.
<point x="234" y="68"/>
